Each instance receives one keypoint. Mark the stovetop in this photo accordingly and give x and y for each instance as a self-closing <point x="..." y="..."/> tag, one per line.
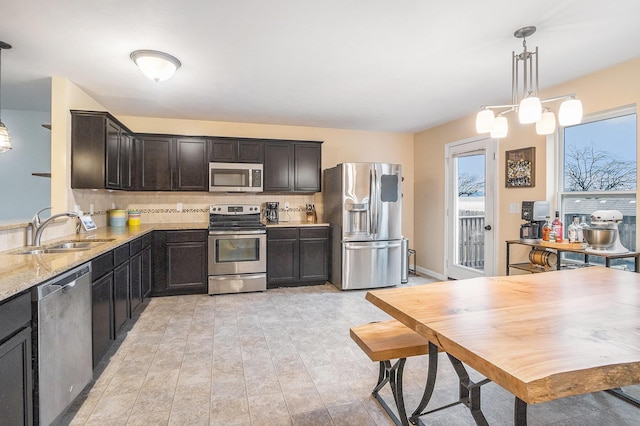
<point x="230" y="217"/>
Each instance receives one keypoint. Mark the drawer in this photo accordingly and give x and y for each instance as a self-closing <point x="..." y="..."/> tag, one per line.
<point x="135" y="246"/>
<point x="101" y="265"/>
<point x="282" y="233"/>
<point x="14" y="314"/>
<point x="185" y="236"/>
<point x="121" y="254"/>
<point x="314" y="232"/>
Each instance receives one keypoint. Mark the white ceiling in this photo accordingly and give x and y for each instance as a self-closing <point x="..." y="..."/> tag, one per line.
<point x="402" y="65"/>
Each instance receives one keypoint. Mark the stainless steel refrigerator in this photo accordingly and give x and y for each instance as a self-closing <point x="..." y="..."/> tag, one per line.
<point x="363" y="204"/>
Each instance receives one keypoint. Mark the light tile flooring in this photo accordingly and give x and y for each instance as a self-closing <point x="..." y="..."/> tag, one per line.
<point x="281" y="357"/>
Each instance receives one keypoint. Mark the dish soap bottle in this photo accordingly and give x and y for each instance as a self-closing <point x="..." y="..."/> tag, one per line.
<point x="557" y="227"/>
<point x="546" y="229"/>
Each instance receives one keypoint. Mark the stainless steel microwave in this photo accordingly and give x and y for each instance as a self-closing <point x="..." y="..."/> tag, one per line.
<point x="235" y="177"/>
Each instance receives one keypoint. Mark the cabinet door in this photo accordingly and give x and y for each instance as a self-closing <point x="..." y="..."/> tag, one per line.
<point x="223" y="150"/>
<point x="136" y="271"/>
<point x="147" y="272"/>
<point x="102" y="316"/>
<point x="191" y="165"/>
<point x="283" y="264"/>
<point x="113" y="156"/>
<point x="278" y="167"/>
<point x="88" y="138"/>
<point x="186" y="267"/>
<point x="314" y="254"/>
<point x="307" y="167"/>
<point x="153" y="159"/>
<point x="250" y="151"/>
<point x="126" y="147"/>
<point x="120" y="296"/>
<point x="16" y="404"/>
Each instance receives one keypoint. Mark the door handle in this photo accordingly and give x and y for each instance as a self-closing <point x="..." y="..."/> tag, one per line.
<point x="488" y="227"/>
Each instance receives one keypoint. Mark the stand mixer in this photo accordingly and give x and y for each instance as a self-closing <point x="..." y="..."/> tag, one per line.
<point x="607" y="219"/>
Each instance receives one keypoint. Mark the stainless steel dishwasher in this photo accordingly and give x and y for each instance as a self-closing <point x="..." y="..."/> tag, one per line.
<point x="64" y="340"/>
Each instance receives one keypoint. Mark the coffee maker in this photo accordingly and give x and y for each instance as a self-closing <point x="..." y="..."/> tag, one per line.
<point x="535" y="213"/>
<point x="271" y="211"/>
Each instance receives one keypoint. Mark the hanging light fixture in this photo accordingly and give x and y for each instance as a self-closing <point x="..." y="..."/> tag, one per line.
<point x="158" y="66"/>
<point x="5" y="143"/>
<point x="525" y="99"/>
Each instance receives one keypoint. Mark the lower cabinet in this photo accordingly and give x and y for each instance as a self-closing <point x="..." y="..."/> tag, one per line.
<point x="147" y="262"/>
<point x="16" y="376"/>
<point x="102" y="316"/>
<point x="297" y="256"/>
<point x="180" y="262"/>
<point x="135" y="279"/>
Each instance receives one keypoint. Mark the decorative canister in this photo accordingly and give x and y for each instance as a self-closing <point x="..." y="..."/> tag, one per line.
<point x="117" y="218"/>
<point x="134" y="218"/>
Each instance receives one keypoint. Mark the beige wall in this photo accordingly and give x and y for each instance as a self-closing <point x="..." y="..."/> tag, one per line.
<point x="604" y="90"/>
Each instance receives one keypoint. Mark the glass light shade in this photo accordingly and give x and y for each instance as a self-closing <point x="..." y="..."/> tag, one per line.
<point x="500" y="127"/>
<point x="547" y="123"/>
<point x="485" y="121"/>
<point x="570" y="112"/>
<point x="529" y="110"/>
<point x="158" y="66"/>
<point x="5" y="144"/>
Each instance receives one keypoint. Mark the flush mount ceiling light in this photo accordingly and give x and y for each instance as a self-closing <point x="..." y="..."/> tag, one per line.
<point x="158" y="66"/>
<point x="5" y="143"/>
<point x="525" y="100"/>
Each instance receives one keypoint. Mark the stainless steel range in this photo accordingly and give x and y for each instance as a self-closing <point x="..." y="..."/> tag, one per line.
<point x="237" y="249"/>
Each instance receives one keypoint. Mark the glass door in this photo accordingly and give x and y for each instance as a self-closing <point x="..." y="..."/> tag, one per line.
<point x="470" y="209"/>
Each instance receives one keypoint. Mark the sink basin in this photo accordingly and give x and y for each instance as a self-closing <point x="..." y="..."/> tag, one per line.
<point x="66" y="246"/>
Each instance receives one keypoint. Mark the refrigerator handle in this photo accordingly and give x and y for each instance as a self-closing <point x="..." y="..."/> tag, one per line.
<point x="373" y="201"/>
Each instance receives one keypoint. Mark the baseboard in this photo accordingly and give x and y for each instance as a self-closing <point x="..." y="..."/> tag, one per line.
<point x="425" y="271"/>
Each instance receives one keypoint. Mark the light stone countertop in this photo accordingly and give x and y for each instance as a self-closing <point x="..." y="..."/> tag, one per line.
<point x="19" y="272"/>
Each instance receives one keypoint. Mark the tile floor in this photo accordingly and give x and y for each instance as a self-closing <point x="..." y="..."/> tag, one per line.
<point x="281" y="357"/>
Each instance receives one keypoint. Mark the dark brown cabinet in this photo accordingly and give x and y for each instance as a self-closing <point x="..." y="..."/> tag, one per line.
<point x="135" y="276"/>
<point x="236" y="150"/>
<point x="180" y="262"/>
<point x="191" y="165"/>
<point x="291" y="166"/>
<point x="16" y="376"/>
<point x="100" y="151"/>
<point x="102" y="316"/>
<point x="121" y="283"/>
<point x="153" y="159"/>
<point x="147" y="265"/>
<point x="297" y="256"/>
<point x="171" y="164"/>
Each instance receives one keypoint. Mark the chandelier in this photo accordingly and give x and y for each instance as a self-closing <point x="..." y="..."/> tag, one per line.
<point x="525" y="100"/>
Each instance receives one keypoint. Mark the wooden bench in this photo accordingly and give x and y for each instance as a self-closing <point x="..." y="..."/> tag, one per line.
<point x="382" y="342"/>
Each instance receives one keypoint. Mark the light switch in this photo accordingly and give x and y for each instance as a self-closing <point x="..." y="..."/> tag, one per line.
<point x="514" y="208"/>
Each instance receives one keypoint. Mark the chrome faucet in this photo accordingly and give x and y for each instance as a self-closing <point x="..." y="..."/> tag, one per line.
<point x="38" y="225"/>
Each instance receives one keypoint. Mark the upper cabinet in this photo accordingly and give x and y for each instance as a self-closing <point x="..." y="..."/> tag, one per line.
<point x="292" y="166"/>
<point x="100" y="151"/>
<point x="236" y="150"/>
<point x="171" y="164"/>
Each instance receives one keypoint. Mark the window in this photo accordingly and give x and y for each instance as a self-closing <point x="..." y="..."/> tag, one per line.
<point x="599" y="170"/>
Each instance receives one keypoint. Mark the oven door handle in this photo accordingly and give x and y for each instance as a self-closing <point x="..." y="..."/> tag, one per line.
<point x="239" y="232"/>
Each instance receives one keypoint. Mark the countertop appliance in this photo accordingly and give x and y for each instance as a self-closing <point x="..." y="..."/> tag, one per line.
<point x="63" y="349"/>
<point x="605" y="220"/>
<point x="535" y="213"/>
<point x="235" y="177"/>
<point x="271" y="211"/>
<point x="363" y="204"/>
<point x="237" y="242"/>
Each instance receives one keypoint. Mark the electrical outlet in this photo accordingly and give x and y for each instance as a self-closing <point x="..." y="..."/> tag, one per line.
<point x="514" y="208"/>
<point x="286" y="206"/>
<point x="91" y="211"/>
<point x="113" y="206"/>
<point x="179" y="207"/>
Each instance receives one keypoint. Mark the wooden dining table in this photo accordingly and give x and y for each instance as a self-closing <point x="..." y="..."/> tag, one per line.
<point x="540" y="336"/>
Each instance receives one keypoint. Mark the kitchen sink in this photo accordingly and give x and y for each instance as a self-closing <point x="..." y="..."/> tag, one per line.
<point x="66" y="246"/>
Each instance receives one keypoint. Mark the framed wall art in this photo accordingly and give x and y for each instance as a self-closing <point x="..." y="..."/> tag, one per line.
<point x="520" y="168"/>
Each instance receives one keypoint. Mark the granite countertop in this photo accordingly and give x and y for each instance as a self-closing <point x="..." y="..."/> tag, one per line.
<point x="19" y="272"/>
<point x="292" y="223"/>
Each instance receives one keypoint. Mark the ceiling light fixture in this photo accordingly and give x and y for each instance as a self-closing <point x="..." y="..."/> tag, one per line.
<point x="5" y="143"/>
<point x="158" y="66"/>
<point x="525" y="99"/>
